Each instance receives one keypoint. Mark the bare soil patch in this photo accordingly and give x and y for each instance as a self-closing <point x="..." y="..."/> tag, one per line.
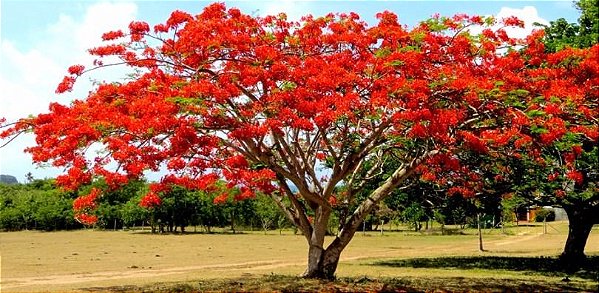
<point x="116" y="261"/>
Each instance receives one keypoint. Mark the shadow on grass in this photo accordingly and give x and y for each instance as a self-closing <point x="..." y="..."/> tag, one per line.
<point x="284" y="284"/>
<point x="548" y="266"/>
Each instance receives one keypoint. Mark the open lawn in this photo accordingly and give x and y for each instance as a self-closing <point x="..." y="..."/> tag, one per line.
<point x="137" y="261"/>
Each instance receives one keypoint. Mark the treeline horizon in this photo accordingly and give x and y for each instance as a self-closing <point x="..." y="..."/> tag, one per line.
<point x="41" y="205"/>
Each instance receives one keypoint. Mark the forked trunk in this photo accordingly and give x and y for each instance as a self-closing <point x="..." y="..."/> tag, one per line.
<point x="322" y="263"/>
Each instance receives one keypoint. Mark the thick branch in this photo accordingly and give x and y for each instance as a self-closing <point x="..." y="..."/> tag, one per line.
<point x="298" y="216"/>
<point x="400" y="174"/>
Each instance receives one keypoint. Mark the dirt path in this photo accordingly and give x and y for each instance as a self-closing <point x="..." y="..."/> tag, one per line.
<point x="13" y="283"/>
<point x="512" y="241"/>
<point x="8" y="283"/>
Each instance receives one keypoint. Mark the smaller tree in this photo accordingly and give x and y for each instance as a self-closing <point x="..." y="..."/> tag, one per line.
<point x="132" y="214"/>
<point x="414" y="214"/>
<point x="269" y="214"/>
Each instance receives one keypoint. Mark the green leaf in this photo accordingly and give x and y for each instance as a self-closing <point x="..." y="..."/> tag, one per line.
<point x="535" y="113"/>
<point x="538" y="130"/>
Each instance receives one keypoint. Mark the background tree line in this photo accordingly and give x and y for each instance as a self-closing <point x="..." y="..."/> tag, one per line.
<point x="40" y="205"/>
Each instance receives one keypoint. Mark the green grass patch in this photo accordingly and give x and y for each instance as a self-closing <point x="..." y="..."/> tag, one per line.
<point x="548" y="266"/>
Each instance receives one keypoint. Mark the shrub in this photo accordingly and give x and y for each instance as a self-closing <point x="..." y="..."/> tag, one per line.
<point x="544" y="215"/>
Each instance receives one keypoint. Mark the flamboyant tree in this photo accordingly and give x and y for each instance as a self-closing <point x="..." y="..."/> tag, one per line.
<point x="562" y="169"/>
<point x="564" y="133"/>
<point x="271" y="106"/>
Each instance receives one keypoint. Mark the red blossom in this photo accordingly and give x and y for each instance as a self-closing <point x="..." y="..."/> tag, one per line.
<point x="84" y="206"/>
<point x="321" y="156"/>
<point x="513" y="21"/>
<point x="112" y="49"/>
<point x="428" y="176"/>
<point x="87" y="202"/>
<point x="221" y="199"/>
<point x="150" y="200"/>
<point x="86" y="219"/>
<point x="577" y="150"/>
<point x="139" y="27"/>
<point x="66" y="85"/>
<point x="237" y="162"/>
<point x="160" y="28"/>
<point x="333" y="200"/>
<point x="176" y="164"/>
<point x="418" y="130"/>
<point x="178" y="17"/>
<point x="576" y="176"/>
<point x="458" y="190"/>
<point x="474" y="142"/>
<point x="76" y="69"/>
<point x="112" y="35"/>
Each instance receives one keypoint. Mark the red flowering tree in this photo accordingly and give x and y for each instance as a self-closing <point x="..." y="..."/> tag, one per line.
<point x="270" y="105"/>
<point x="560" y="120"/>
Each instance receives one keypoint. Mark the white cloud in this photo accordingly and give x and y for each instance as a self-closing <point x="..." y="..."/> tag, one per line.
<point x="28" y="77"/>
<point x="294" y="10"/>
<point x="528" y="14"/>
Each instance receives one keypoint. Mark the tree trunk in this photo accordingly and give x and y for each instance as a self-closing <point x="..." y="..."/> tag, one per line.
<point x="322" y="263"/>
<point x="480" y="234"/>
<point x="581" y="220"/>
<point x="233" y="222"/>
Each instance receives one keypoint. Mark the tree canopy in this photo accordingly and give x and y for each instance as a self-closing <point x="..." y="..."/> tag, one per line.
<point x="270" y="105"/>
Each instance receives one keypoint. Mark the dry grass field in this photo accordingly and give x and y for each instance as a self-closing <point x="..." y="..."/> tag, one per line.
<point x="125" y="260"/>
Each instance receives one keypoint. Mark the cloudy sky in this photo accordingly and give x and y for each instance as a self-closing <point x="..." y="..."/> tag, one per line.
<point x="40" y="39"/>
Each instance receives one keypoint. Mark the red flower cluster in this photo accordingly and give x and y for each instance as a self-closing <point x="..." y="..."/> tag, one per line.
<point x="513" y="21"/>
<point x="112" y="49"/>
<point x="112" y="35"/>
<point x="76" y="69"/>
<point x="66" y="85"/>
<point x="150" y="200"/>
<point x="137" y="30"/>
<point x="178" y="17"/>
<point x="576" y="176"/>
<point x="86" y="219"/>
<point x="83" y="206"/>
<point x="87" y="201"/>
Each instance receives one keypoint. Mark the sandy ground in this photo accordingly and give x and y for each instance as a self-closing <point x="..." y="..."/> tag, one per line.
<point x="91" y="260"/>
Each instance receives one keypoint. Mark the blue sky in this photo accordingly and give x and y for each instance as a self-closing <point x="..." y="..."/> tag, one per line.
<point x="40" y="39"/>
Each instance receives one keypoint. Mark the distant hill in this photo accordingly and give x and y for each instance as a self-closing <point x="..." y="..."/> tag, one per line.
<point x="8" y="179"/>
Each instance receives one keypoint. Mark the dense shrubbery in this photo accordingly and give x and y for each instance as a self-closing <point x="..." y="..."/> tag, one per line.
<point x="41" y="205"/>
<point x="37" y="205"/>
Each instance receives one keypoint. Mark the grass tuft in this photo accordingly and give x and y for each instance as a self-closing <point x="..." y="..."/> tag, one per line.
<point x="548" y="266"/>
